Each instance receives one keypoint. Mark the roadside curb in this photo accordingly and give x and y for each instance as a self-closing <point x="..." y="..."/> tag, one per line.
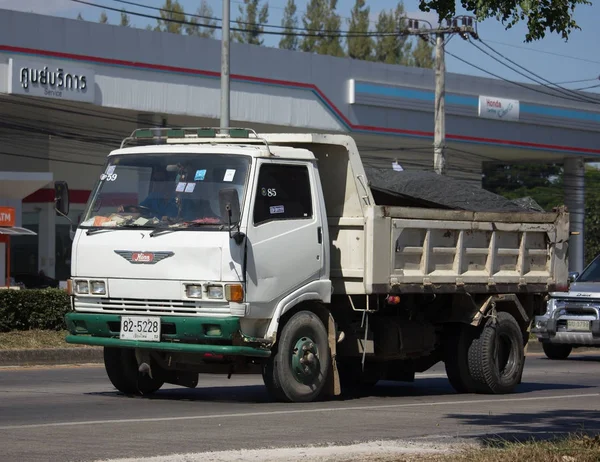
<point x="50" y="356"/>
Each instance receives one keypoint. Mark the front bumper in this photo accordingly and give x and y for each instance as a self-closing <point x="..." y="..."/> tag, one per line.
<point x="178" y="334"/>
<point x="553" y="327"/>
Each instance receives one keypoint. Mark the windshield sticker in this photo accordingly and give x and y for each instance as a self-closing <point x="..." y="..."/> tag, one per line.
<point x="180" y="187"/>
<point x="276" y="209"/>
<point x="110" y="170"/>
<point x="200" y="174"/>
<point x="229" y="174"/>
<point x="190" y="187"/>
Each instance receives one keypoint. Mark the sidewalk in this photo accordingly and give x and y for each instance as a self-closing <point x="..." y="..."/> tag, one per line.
<point x="59" y="356"/>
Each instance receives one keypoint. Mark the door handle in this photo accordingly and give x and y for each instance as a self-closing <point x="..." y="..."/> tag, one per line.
<point x="319" y="235"/>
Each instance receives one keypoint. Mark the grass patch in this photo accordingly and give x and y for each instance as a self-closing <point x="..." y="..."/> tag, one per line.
<point x="35" y="339"/>
<point x="572" y="448"/>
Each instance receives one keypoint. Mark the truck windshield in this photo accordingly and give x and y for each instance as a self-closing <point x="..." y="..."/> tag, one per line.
<point x="592" y="272"/>
<point x="158" y="190"/>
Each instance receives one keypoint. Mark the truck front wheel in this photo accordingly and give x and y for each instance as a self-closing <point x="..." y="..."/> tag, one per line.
<point x="298" y="369"/>
<point x="122" y="370"/>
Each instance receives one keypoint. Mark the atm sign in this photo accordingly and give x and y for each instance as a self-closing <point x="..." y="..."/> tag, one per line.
<point x="7" y="217"/>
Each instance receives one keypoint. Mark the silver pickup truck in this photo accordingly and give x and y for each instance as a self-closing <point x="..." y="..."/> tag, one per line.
<point x="572" y="318"/>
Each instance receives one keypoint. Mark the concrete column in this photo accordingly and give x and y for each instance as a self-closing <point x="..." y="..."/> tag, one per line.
<point x="47" y="240"/>
<point x="575" y="202"/>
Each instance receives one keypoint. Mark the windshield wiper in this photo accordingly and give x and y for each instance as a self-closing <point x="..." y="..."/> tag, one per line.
<point x="113" y="228"/>
<point x="98" y="229"/>
<point x="166" y="229"/>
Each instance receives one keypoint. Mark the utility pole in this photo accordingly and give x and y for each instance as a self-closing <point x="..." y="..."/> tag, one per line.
<point x="465" y="30"/>
<point x="439" y="136"/>
<point x="225" y="66"/>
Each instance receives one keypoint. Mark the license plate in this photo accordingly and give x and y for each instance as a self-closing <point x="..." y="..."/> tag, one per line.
<point x="578" y="325"/>
<point x="144" y="328"/>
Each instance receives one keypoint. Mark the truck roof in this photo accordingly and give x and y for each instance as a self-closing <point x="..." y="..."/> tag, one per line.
<point x="205" y="147"/>
<point x="234" y="140"/>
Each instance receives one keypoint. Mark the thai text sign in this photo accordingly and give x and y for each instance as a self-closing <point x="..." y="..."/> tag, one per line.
<point x="48" y="80"/>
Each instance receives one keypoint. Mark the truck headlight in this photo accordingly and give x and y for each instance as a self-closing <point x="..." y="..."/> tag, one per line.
<point x="215" y="292"/>
<point x="193" y="291"/>
<point x="97" y="288"/>
<point x="82" y="287"/>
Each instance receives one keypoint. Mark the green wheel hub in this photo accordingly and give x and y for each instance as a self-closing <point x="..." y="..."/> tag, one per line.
<point x="305" y="361"/>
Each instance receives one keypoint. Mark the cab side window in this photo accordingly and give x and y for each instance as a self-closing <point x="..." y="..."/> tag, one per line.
<point x="283" y="193"/>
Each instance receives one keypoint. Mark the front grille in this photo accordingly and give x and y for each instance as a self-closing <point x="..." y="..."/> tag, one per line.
<point x="154" y="307"/>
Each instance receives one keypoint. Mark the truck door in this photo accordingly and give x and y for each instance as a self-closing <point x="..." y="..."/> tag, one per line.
<point x="285" y="235"/>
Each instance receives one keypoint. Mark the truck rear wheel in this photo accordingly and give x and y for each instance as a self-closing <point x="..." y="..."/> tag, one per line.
<point x="556" y="351"/>
<point x="457" y="341"/>
<point x="122" y="370"/>
<point x="496" y="355"/>
<point x="298" y="369"/>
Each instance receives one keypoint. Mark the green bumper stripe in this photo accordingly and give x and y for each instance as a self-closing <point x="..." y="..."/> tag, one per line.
<point x="179" y="334"/>
<point x="167" y="346"/>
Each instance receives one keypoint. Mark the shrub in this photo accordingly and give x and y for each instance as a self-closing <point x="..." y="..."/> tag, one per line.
<point x="33" y="309"/>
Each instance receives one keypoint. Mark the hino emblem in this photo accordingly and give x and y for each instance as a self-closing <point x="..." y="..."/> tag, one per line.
<point x="147" y="258"/>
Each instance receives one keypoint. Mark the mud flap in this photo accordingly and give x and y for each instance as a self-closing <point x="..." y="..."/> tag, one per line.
<point x="333" y="382"/>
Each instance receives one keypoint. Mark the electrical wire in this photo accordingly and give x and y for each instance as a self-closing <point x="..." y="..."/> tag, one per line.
<point x="548" y="84"/>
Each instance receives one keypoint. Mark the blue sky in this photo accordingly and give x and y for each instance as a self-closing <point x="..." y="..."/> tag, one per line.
<point x="581" y="59"/>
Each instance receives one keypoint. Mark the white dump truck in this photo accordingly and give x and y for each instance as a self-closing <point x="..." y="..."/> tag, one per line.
<point x="223" y="250"/>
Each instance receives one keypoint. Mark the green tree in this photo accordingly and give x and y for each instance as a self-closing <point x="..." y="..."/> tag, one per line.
<point x="171" y="11"/>
<point x="422" y="55"/>
<point x="313" y="20"/>
<point x="331" y="43"/>
<point x="542" y="16"/>
<point x="592" y="213"/>
<point x="204" y="26"/>
<point x="360" y="47"/>
<point x="250" y="21"/>
<point x="393" y="48"/>
<point x="103" y="18"/>
<point x="125" y="21"/>
<point x="289" y="41"/>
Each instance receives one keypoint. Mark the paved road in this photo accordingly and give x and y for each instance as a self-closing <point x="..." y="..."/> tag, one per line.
<point x="73" y="413"/>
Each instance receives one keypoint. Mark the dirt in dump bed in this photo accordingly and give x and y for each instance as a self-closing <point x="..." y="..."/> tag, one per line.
<point x="430" y="190"/>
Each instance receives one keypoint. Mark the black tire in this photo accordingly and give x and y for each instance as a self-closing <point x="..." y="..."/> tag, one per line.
<point x="497" y="356"/>
<point x="283" y="378"/>
<point x="122" y="370"/>
<point x="557" y="351"/>
<point x="457" y="341"/>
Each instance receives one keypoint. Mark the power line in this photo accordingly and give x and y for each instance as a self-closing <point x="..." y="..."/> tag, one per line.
<point x="559" y="89"/>
<point x="522" y="85"/>
<point x="545" y="52"/>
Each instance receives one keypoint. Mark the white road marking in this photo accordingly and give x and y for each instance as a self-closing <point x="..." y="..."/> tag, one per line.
<point x="297" y="411"/>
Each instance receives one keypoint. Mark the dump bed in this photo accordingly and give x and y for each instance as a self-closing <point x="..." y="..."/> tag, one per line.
<point x="380" y="248"/>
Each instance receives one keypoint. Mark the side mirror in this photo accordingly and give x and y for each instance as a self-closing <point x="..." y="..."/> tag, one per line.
<point x="229" y="204"/>
<point x="573" y="276"/>
<point x="61" y="198"/>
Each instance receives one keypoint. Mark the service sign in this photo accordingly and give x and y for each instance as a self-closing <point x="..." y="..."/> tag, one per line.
<point x="46" y="79"/>
<point x="498" y="108"/>
<point x="7" y="217"/>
